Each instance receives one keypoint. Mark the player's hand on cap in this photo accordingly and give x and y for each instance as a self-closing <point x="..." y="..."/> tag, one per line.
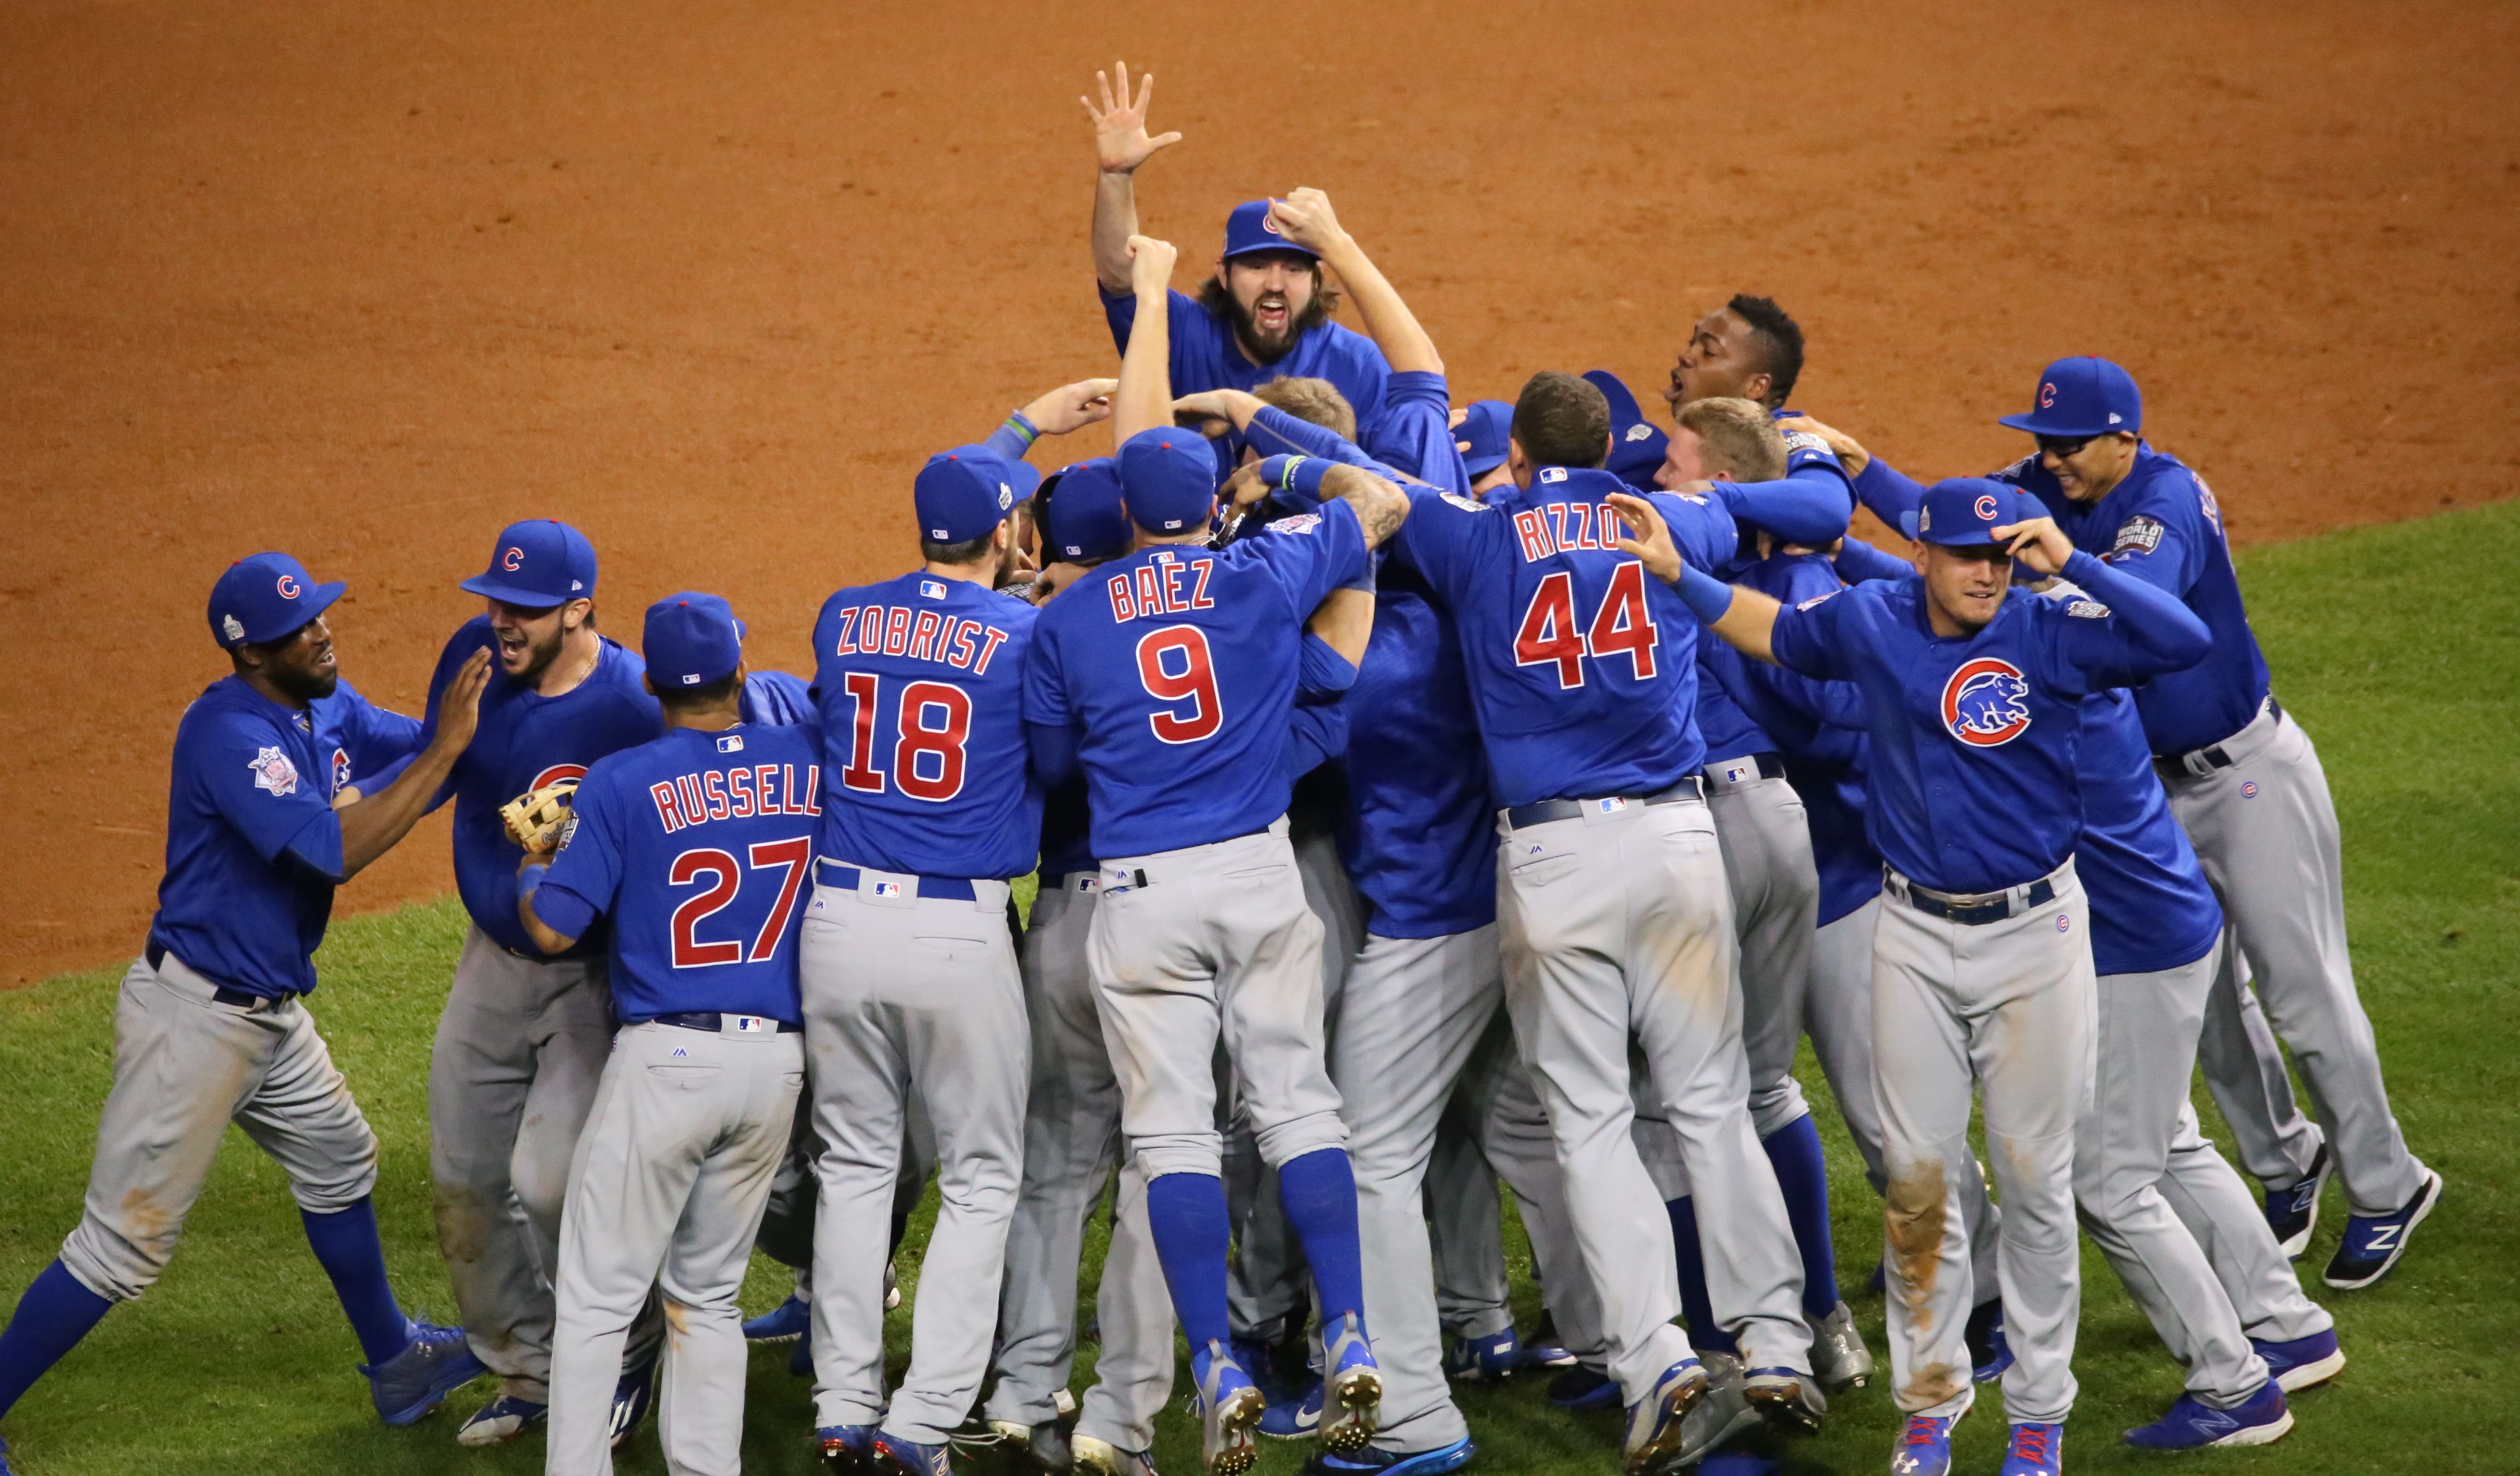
<point x="1306" y="219"/>
<point x="459" y="706"/>
<point x="1151" y="263"/>
<point x="1850" y="451"/>
<point x="1651" y="541"/>
<point x="1073" y="407"/>
<point x="2039" y="542"/>
<point x="1120" y="142"/>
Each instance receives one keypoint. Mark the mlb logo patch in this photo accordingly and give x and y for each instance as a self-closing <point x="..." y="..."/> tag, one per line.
<point x="732" y="742"/>
<point x="1611" y="806"/>
<point x="887" y="888"/>
<point x="1734" y="774"/>
<point x="751" y="1024"/>
<point x="1552" y="474"/>
<point x="931" y="588"/>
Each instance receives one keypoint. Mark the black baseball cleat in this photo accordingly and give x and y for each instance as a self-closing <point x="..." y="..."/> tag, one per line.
<point x="2373" y="1242"/>
<point x="2292" y="1212"/>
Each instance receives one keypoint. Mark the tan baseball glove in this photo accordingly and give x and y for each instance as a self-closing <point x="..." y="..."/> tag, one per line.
<point x="535" y="820"/>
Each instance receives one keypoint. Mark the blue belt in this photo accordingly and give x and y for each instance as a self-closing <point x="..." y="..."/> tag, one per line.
<point x="1541" y="812"/>
<point x="713" y="1022"/>
<point x="846" y="878"/>
<point x="1974" y="911"/>
<point x="238" y="998"/>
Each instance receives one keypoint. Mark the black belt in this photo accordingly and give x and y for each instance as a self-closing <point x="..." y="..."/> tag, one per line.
<point x="156" y="952"/>
<point x="711" y="1021"/>
<point x="2215" y="758"/>
<point x="1541" y="812"/>
<point x="946" y="889"/>
<point x="1769" y="764"/>
<point x="1972" y="913"/>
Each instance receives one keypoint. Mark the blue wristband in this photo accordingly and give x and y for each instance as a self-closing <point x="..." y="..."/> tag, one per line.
<point x="1299" y="476"/>
<point x="1706" y="596"/>
<point x="531" y="878"/>
<point x="1021" y="424"/>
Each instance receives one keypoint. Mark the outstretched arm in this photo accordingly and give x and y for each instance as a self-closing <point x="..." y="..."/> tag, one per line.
<point x="1145" y="398"/>
<point x="1069" y="407"/>
<point x="1746" y="618"/>
<point x="1121" y="146"/>
<point x="2154" y="631"/>
<point x="1305" y="218"/>
<point x="1379" y="506"/>
<point x="371" y="827"/>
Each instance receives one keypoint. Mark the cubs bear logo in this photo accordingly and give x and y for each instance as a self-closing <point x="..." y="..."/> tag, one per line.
<point x="1984" y="702"/>
<point x="554" y="775"/>
<point x="273" y="771"/>
<point x="513" y="559"/>
<point x="1985" y="508"/>
<point x="287" y="584"/>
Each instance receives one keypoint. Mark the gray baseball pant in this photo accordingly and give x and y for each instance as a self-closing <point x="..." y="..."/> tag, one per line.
<point x="1466" y="1227"/>
<point x="2265" y="829"/>
<point x="2145" y="1056"/>
<point x="2277" y="1142"/>
<point x="671" y="1176"/>
<point x="2009" y="1006"/>
<point x="2218" y="1209"/>
<point x="911" y="997"/>
<point x="184" y="1067"/>
<point x="1617" y="925"/>
<point x="1775" y="883"/>
<point x="1071" y="1146"/>
<point x="520" y="1050"/>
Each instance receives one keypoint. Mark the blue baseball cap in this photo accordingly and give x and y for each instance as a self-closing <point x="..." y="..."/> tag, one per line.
<point x="1637" y="444"/>
<point x="1250" y="228"/>
<point x="264" y="597"/>
<point x="1086" y="519"/>
<point x="1484" y="431"/>
<point x="2082" y="396"/>
<point x="1168" y="478"/>
<point x="692" y="639"/>
<point x="964" y="493"/>
<point x="1962" y="510"/>
<point x="538" y="564"/>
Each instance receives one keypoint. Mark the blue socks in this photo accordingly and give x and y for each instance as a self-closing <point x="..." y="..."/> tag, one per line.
<point x="1186" y="1212"/>
<point x="50" y="1317"/>
<point x="1794" y="1150"/>
<point x="1319" y="1191"/>
<point x="1704" y="1334"/>
<point x="345" y="1243"/>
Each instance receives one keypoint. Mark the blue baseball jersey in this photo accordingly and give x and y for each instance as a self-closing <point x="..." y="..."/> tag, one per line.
<point x="1974" y="784"/>
<point x="1581" y="667"/>
<point x="1419" y="842"/>
<point x="1819" y="733"/>
<point x="525" y="741"/>
<point x="778" y="698"/>
<point x="1177" y="668"/>
<point x="2151" y="907"/>
<point x="254" y="846"/>
<point x="1808" y="452"/>
<point x="1205" y="356"/>
<point x="699" y="847"/>
<point x="919" y="682"/>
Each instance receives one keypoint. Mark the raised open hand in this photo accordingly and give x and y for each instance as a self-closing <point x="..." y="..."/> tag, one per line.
<point x="1120" y="142"/>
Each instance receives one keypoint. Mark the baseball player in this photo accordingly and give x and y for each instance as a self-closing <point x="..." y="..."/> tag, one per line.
<point x="2247" y="785"/>
<point x="696" y="845"/>
<point x="1982" y="957"/>
<point x="525" y="1036"/>
<point x="1264" y="315"/>
<point x="1170" y="685"/>
<point x="265" y="820"/>
<point x="1615" y="925"/>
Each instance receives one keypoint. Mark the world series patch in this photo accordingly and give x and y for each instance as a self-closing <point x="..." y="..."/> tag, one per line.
<point x="1465" y="503"/>
<point x="2138" y="535"/>
<point x="2089" y="610"/>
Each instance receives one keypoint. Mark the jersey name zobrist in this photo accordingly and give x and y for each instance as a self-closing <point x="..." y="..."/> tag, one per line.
<point x="1557" y="526"/>
<point x="898" y="630"/>
<point x="738" y="793"/>
<point x="1155" y="588"/>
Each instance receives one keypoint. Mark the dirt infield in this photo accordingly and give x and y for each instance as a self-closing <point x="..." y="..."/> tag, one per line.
<point x="366" y="281"/>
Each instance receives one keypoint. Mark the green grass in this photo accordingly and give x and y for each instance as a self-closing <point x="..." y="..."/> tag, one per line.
<point x="2395" y="647"/>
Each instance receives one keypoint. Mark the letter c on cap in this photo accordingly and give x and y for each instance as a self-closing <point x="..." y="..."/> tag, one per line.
<point x="2046" y="396"/>
<point x="513" y="559"/>
<point x="287" y="586"/>
<point x="1986" y="506"/>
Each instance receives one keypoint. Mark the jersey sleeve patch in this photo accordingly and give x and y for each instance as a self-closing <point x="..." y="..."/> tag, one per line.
<point x="2088" y="609"/>
<point x="1465" y="503"/>
<point x="1816" y="599"/>
<point x="2141" y="534"/>
<point x="1804" y="440"/>
<point x="1301" y="522"/>
<point x="273" y="772"/>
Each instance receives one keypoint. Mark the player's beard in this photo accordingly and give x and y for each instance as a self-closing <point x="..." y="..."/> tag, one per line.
<point x="539" y="657"/>
<point x="1215" y="297"/>
<point x="305" y="685"/>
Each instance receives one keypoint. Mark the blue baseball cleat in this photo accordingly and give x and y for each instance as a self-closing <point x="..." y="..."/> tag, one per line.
<point x="2292" y="1212"/>
<point x="847" y="1450"/>
<point x="2036" y="1450"/>
<point x="1352" y="1389"/>
<point x="1432" y="1462"/>
<point x="1989" y="1354"/>
<point x="1581" y="1388"/>
<point x="1925" y="1447"/>
<point x="1654" y="1439"/>
<point x="1296" y="1418"/>
<point x="4" y="1458"/>
<point x="2374" y="1242"/>
<point x="1229" y="1407"/>
<point x="1484" y="1358"/>
<point x="501" y="1419"/>
<point x="791" y="1318"/>
<point x="433" y="1364"/>
<point x="631" y="1399"/>
<point x="2303" y="1362"/>
<point x="2261" y="1420"/>
<point x="1545" y="1348"/>
<point x="896" y="1457"/>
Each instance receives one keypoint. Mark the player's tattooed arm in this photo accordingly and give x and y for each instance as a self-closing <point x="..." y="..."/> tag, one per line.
<point x="372" y="826"/>
<point x="1144" y="399"/>
<point x="1380" y="507"/>
<point x="1121" y="146"/>
<point x="1306" y="218"/>
<point x="1744" y="617"/>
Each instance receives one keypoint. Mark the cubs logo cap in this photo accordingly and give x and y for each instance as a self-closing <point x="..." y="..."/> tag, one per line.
<point x="1250" y="228"/>
<point x="1087" y="522"/>
<point x="264" y="597"/>
<point x="964" y="493"/>
<point x="691" y="639"/>
<point x="538" y="564"/>
<point x="1637" y="444"/>
<point x="2081" y="396"/>
<point x="1168" y="479"/>
<point x="1961" y="512"/>
<point x="1484" y="431"/>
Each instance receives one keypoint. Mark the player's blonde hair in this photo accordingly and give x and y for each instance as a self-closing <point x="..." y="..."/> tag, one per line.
<point x="1736" y="435"/>
<point x="1316" y="402"/>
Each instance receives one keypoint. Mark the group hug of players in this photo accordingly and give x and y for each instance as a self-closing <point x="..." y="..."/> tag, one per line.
<point x="1420" y="799"/>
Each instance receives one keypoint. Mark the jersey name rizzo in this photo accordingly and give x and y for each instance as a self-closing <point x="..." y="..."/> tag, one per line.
<point x="694" y="799"/>
<point x="1155" y="588"/>
<point x="897" y="630"/>
<point x="1553" y="527"/>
